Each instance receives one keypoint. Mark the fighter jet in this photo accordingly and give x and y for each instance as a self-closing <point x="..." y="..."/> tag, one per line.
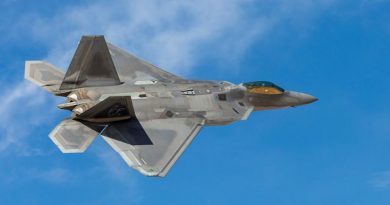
<point x="148" y="115"/>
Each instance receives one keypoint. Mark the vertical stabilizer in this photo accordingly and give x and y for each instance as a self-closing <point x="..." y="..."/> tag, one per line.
<point x="91" y="65"/>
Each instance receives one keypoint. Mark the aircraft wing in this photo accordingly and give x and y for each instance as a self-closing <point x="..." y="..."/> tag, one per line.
<point x="152" y="147"/>
<point x="131" y="69"/>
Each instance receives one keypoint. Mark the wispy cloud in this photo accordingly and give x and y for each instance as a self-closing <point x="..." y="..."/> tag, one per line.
<point x="55" y="175"/>
<point x="167" y="32"/>
<point x="172" y="34"/>
<point x="114" y="164"/>
<point x="23" y="109"/>
<point x="380" y="180"/>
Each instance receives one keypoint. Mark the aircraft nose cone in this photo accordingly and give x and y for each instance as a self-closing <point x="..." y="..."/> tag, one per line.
<point x="296" y="98"/>
<point x="306" y="99"/>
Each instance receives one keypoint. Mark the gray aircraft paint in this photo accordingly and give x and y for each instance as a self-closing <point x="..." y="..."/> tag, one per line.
<point x="149" y="116"/>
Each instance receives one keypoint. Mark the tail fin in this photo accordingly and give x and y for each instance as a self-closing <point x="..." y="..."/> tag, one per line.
<point x="44" y="74"/>
<point x="72" y="136"/>
<point x="91" y="65"/>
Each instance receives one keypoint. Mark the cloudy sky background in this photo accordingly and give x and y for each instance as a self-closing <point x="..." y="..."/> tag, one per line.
<point x="335" y="151"/>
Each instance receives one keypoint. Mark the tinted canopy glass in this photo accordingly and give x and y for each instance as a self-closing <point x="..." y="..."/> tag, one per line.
<point x="263" y="87"/>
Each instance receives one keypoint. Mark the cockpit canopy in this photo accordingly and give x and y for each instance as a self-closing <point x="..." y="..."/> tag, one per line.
<point x="263" y="87"/>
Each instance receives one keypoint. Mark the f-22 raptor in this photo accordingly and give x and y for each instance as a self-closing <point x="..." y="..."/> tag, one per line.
<point x="148" y="115"/>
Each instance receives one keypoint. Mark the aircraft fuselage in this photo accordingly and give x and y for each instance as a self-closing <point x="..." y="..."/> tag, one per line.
<point x="218" y="102"/>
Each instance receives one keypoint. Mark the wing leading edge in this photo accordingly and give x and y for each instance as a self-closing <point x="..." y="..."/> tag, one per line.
<point x="131" y="69"/>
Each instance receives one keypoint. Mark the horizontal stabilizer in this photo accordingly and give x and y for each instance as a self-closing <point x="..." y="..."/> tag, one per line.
<point x="72" y="136"/>
<point x="91" y="65"/>
<point x="44" y="74"/>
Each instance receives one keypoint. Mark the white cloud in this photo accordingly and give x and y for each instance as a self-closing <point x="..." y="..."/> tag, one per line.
<point x="168" y="32"/>
<point x="114" y="164"/>
<point x="172" y="34"/>
<point x="55" y="175"/>
<point x="25" y="107"/>
<point x="380" y="180"/>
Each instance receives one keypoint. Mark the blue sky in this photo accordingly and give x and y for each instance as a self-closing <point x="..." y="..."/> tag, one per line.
<point x="334" y="151"/>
